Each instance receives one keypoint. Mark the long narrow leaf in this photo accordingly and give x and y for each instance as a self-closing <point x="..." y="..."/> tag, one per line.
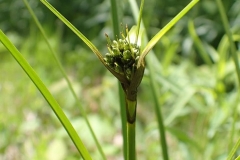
<point x="234" y="149"/>
<point x="234" y="55"/>
<point x="139" y="20"/>
<point x="198" y="43"/>
<point x="72" y="27"/>
<point x="116" y="31"/>
<point x="59" y="65"/>
<point x="47" y="95"/>
<point x="156" y="38"/>
<point x="157" y="107"/>
<point x="85" y="40"/>
<point x="230" y="37"/>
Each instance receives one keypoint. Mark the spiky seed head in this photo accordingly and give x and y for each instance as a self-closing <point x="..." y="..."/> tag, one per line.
<point x="122" y="56"/>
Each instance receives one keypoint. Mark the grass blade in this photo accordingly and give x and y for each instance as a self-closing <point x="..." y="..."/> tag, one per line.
<point x="73" y="28"/>
<point x="198" y="43"/>
<point x="139" y="20"/>
<point x="47" y="95"/>
<point x="166" y="28"/>
<point x="84" y="39"/>
<point x="116" y="31"/>
<point x="235" y="59"/>
<point x="123" y="119"/>
<point x="115" y="17"/>
<point x="157" y="107"/>
<point x="59" y="65"/>
<point x="234" y="149"/>
<point x="230" y="37"/>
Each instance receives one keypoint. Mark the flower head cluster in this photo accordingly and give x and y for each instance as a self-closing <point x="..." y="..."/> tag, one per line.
<point x="122" y="57"/>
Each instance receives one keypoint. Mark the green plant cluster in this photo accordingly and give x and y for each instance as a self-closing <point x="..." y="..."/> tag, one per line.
<point x="199" y="98"/>
<point x="123" y="56"/>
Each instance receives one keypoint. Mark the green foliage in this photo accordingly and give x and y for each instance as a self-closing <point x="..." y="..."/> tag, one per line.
<point x="199" y="101"/>
<point x="46" y="94"/>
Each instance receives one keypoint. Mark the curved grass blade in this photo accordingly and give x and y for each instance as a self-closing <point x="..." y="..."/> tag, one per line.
<point x="202" y="51"/>
<point x="59" y="65"/>
<point x="74" y="29"/>
<point x="84" y="39"/>
<point x="47" y="95"/>
<point x="166" y="28"/>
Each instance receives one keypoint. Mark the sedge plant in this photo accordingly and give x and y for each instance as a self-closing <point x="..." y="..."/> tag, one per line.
<point x="126" y="61"/>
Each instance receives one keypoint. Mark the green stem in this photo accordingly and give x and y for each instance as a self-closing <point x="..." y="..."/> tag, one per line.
<point x="162" y="132"/>
<point x="230" y="37"/>
<point x="115" y="17"/>
<point x="234" y="55"/>
<point x="158" y="111"/>
<point x="115" y="20"/>
<point x="197" y="41"/>
<point x="123" y="118"/>
<point x="131" y="107"/>
<point x="131" y="153"/>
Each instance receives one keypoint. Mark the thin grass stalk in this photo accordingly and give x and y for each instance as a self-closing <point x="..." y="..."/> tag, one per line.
<point x="154" y="90"/>
<point x="139" y="20"/>
<point x="131" y="107"/>
<point x="158" y="112"/>
<point x="115" y="17"/>
<point x="131" y="151"/>
<point x="202" y="51"/>
<point x="47" y="95"/>
<point x="60" y="67"/>
<point x="234" y="149"/>
<point x="235" y="118"/>
<point x="123" y="118"/>
<point x="230" y="37"/>
<point x="234" y="56"/>
<point x="131" y="123"/>
<point x="116" y="31"/>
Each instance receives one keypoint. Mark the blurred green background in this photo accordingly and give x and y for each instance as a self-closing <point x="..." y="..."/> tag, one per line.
<point x="199" y="95"/>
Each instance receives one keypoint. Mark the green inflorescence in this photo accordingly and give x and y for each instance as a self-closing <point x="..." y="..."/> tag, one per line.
<point x="122" y="57"/>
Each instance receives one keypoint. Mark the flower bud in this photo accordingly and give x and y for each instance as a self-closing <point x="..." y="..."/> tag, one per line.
<point x="115" y="44"/>
<point x="121" y="44"/>
<point x="127" y="55"/>
<point x="116" y="52"/>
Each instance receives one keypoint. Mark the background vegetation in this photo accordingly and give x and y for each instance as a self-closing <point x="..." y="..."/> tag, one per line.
<point x="195" y="75"/>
